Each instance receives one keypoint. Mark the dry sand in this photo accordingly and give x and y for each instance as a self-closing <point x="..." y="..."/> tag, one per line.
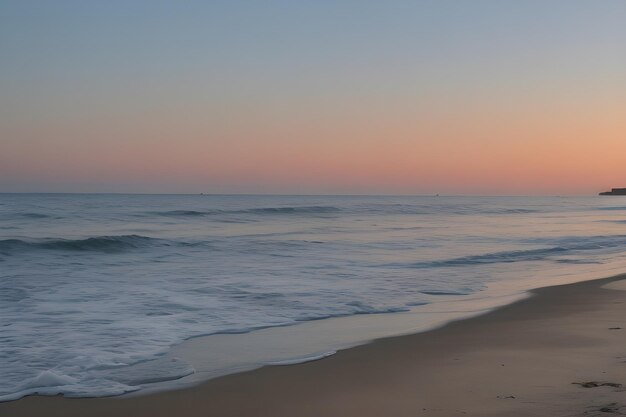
<point x="520" y="360"/>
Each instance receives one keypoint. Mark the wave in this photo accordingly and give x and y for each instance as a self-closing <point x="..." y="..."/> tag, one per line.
<point x="514" y="211"/>
<point x="295" y="210"/>
<point x="97" y="244"/>
<point x="445" y="292"/>
<point x="491" y="258"/>
<point x="35" y="215"/>
<point x="568" y="245"/>
<point x="578" y="261"/>
<point x="26" y="215"/>
<point x="184" y="213"/>
<point x="258" y="211"/>
<point x="322" y="210"/>
<point x="450" y="209"/>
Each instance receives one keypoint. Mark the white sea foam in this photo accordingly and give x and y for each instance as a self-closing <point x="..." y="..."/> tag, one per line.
<point x="50" y="382"/>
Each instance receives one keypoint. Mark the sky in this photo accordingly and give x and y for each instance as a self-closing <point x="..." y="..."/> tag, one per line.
<point x="481" y="97"/>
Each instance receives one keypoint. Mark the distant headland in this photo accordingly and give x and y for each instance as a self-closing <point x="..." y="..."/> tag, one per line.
<point x="615" y="191"/>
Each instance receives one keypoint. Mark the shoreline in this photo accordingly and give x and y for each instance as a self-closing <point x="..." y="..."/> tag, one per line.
<point x="314" y="339"/>
<point x="519" y="359"/>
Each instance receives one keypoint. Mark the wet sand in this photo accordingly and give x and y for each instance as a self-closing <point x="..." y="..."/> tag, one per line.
<point x="561" y="352"/>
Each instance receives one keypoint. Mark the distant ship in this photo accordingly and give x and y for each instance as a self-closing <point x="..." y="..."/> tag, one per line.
<point x="615" y="191"/>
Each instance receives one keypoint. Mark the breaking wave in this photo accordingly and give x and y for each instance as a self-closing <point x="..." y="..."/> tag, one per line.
<point x="575" y="244"/>
<point x="97" y="244"/>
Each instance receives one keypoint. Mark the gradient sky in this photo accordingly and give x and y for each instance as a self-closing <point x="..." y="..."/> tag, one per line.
<point x="463" y="97"/>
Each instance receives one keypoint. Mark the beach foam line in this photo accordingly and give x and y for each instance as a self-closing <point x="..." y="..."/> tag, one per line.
<point x="304" y="359"/>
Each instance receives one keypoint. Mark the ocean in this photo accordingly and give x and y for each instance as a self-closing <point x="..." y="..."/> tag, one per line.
<point x="98" y="290"/>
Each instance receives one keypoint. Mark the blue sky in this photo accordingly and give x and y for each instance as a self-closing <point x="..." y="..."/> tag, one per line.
<point x="81" y="79"/>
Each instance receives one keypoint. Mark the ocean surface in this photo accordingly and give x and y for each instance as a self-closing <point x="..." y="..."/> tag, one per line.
<point x="95" y="290"/>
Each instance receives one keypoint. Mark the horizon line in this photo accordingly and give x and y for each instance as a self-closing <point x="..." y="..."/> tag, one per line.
<point x="296" y="195"/>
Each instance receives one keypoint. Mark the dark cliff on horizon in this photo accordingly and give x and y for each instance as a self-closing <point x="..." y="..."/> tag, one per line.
<point x="615" y="191"/>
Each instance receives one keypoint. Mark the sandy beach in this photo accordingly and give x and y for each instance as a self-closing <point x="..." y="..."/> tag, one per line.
<point x="558" y="353"/>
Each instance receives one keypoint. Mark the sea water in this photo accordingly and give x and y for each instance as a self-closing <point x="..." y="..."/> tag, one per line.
<point x="97" y="290"/>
